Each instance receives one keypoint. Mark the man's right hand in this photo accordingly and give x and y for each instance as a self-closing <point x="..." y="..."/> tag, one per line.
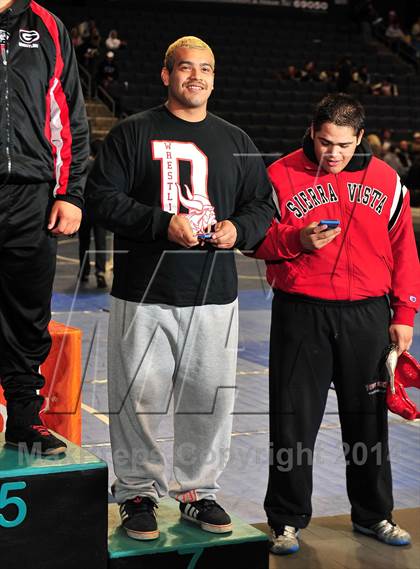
<point x="180" y="231"/>
<point x="315" y="237"/>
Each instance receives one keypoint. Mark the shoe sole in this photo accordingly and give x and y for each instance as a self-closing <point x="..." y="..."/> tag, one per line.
<point x="371" y="533"/>
<point x="142" y="535"/>
<point x="284" y="551"/>
<point x="51" y="452"/>
<point x="211" y="528"/>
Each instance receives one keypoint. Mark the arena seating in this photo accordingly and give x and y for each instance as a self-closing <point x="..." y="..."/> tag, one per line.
<point x="251" y="49"/>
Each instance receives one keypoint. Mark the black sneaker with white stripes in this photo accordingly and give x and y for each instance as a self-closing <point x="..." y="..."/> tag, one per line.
<point x="208" y="515"/>
<point x="138" y="518"/>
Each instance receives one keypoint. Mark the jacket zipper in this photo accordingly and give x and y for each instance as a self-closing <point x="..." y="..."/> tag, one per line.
<point x="346" y="243"/>
<point x="4" y="54"/>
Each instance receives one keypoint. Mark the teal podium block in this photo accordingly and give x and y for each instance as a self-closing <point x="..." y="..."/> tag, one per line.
<point x="183" y="545"/>
<point x="53" y="510"/>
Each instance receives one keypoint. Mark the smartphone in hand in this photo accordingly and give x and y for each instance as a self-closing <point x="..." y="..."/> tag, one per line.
<point x="330" y="223"/>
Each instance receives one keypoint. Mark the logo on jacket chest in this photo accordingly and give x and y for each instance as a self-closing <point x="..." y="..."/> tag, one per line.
<point x="28" y="38"/>
<point x="306" y="200"/>
<point x="4" y="36"/>
<point x="366" y="195"/>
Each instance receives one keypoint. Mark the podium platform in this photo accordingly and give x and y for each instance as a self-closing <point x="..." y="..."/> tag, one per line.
<point x="183" y="545"/>
<point x="53" y="510"/>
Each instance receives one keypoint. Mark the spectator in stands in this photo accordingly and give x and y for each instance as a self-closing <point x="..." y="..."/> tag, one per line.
<point x="364" y="75"/>
<point x="108" y="69"/>
<point x="159" y="181"/>
<point x="415" y="145"/>
<point x="108" y="76"/>
<point x="375" y="88"/>
<point x="394" y="31"/>
<point x="309" y="72"/>
<point x="89" y="33"/>
<point x="404" y="155"/>
<point x="99" y="233"/>
<point x="324" y="76"/>
<point x="89" y="50"/>
<point x="76" y="38"/>
<point x="84" y="30"/>
<point x="415" y="36"/>
<point x="95" y="36"/>
<point x="113" y="42"/>
<point x="292" y="73"/>
<point x="368" y="17"/>
<point x="386" y="137"/>
<point x="392" y="159"/>
<point x="389" y="88"/>
<point x="385" y="88"/>
<point x="89" y="59"/>
<point x="331" y="318"/>
<point x="413" y="182"/>
<point x="360" y="81"/>
<point x="375" y="144"/>
<point x="344" y="74"/>
<point x="117" y="92"/>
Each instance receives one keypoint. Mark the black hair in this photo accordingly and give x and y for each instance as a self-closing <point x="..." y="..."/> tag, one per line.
<point x="340" y="109"/>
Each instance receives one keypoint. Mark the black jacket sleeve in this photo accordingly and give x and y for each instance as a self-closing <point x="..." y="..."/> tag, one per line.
<point x="108" y="189"/>
<point x="76" y="137"/>
<point x="255" y="207"/>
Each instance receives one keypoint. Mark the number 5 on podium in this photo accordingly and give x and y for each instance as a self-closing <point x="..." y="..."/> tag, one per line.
<point x="18" y="502"/>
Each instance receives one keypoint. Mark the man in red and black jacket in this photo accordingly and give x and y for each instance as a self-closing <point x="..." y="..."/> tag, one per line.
<point x="43" y="157"/>
<point x="333" y="289"/>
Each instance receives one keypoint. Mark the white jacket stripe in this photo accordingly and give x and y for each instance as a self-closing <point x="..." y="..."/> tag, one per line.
<point x="397" y="203"/>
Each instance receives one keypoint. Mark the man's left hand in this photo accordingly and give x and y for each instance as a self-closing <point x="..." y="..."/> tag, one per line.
<point x="402" y="336"/>
<point x="64" y="218"/>
<point x="225" y="235"/>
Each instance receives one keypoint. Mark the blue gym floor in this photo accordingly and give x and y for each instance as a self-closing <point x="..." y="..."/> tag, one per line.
<point x="243" y="483"/>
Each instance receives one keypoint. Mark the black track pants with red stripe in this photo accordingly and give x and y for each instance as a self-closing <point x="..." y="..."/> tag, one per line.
<point x="314" y="342"/>
<point x="27" y="267"/>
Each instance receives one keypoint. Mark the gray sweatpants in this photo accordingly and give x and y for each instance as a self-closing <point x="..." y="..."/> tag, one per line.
<point x="156" y="351"/>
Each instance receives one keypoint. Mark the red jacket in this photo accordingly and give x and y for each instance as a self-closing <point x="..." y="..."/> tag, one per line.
<point x="375" y="254"/>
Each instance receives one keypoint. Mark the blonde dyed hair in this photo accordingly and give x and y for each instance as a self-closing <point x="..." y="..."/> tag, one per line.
<point x="190" y="42"/>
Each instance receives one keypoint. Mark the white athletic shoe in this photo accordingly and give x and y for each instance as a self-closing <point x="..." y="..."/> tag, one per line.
<point x="284" y="540"/>
<point x="386" y="531"/>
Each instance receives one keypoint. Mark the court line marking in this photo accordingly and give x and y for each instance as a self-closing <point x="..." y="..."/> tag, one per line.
<point x="251" y="433"/>
<point x="68" y="260"/>
<point x="240" y="373"/>
<point x="171" y="438"/>
<point x="76" y="240"/>
<point x="95" y="413"/>
<point x="72" y="261"/>
<point x="67" y="241"/>
<point x="105" y="419"/>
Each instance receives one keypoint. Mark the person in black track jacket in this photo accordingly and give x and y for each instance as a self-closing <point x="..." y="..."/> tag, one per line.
<point x="43" y="158"/>
<point x="165" y="182"/>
